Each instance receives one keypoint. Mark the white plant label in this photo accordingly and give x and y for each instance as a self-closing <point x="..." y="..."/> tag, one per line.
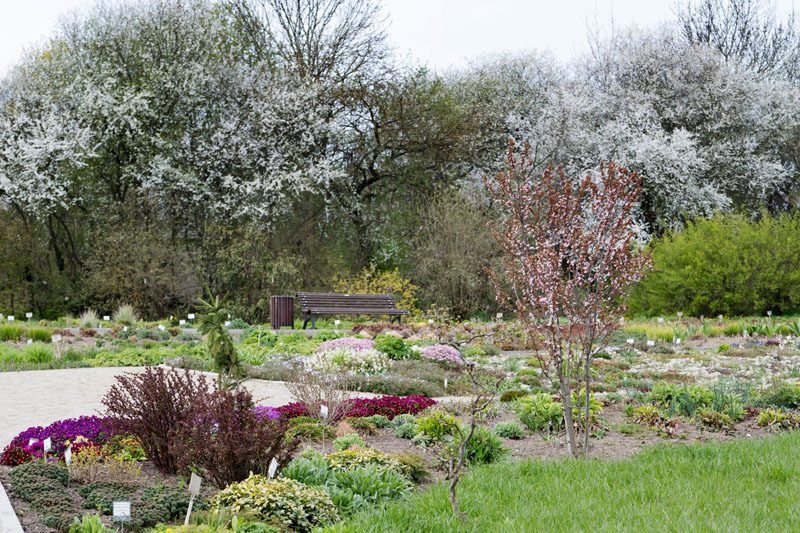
<point x="30" y="341"/>
<point x="229" y="315"/>
<point x="499" y="316"/>
<point x="430" y="320"/>
<point x="161" y="327"/>
<point x="630" y="341"/>
<point x="677" y="341"/>
<point x="651" y="343"/>
<point x="660" y="320"/>
<point x="273" y="467"/>
<point x="56" y="338"/>
<point x="106" y="318"/>
<point x="47" y="445"/>
<point x="11" y="318"/>
<point x="720" y="317"/>
<point x="28" y="315"/>
<point x="31" y="442"/>
<point x="323" y="410"/>
<point x="680" y="314"/>
<point x="622" y="320"/>
<point x="769" y="313"/>
<point x="190" y="316"/>
<point x="124" y="328"/>
<point x="227" y="323"/>
<point x="445" y="384"/>
<point x="337" y="322"/>
<point x="194" y="484"/>
<point x="121" y="511"/>
<point x="181" y="322"/>
<point x="68" y="456"/>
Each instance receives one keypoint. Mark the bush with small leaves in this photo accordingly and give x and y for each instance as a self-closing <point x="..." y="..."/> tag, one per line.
<point x="380" y="421"/>
<point x="484" y="447"/>
<point x="102" y="494"/>
<point x="395" y="347"/>
<point x="401" y="420"/>
<point x="508" y="430"/>
<point x="512" y="395"/>
<point x="173" y="499"/>
<point x="406" y="431"/>
<point x="297" y="505"/>
<point x="363" y="426"/>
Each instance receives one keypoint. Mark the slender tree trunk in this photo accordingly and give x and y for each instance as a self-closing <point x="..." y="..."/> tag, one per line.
<point x="566" y="401"/>
<point x="587" y="379"/>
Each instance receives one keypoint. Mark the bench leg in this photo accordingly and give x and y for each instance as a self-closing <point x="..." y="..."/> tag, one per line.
<point x="313" y="321"/>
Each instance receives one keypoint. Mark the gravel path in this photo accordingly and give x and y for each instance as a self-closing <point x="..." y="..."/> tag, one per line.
<point x="40" y="397"/>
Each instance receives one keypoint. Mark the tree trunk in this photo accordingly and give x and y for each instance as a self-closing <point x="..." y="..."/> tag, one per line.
<point x="587" y="379"/>
<point x="566" y="401"/>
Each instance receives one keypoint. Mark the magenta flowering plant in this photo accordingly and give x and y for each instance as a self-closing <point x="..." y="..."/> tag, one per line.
<point x="353" y="343"/>
<point x="270" y="413"/>
<point x="389" y="406"/>
<point x="442" y="354"/>
<point x="95" y="429"/>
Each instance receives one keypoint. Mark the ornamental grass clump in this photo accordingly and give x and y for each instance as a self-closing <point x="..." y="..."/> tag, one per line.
<point x="442" y="354"/>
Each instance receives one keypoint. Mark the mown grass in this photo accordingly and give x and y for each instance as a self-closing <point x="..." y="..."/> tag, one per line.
<point x="736" y="486"/>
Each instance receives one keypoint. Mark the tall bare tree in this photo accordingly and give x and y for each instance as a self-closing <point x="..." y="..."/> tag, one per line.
<point x="746" y="32"/>
<point x="315" y="39"/>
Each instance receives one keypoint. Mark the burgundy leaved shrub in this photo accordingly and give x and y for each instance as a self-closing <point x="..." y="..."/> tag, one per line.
<point x="151" y="404"/>
<point x="227" y="437"/>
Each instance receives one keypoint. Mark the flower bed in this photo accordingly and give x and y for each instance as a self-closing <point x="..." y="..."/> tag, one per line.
<point x="95" y="429"/>
<point x="388" y="406"/>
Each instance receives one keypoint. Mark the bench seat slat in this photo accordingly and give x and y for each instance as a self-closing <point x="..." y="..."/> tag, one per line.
<point x="356" y="311"/>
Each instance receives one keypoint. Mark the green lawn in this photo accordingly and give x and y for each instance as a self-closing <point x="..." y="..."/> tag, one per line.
<point x="739" y="486"/>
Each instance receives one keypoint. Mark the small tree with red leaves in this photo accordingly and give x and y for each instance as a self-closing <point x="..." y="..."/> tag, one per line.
<point x="570" y="260"/>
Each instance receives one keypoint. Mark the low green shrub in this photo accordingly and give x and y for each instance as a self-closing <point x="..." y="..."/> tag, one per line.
<point x="380" y="421"/>
<point x="776" y="419"/>
<point x="40" y="334"/>
<point x="484" y="447"/>
<point x="406" y="431"/>
<point x="508" y="430"/>
<point x="512" y="395"/>
<point x="11" y="332"/>
<point x="539" y="412"/>
<point x="174" y="499"/>
<point x="90" y="523"/>
<point x="45" y="470"/>
<point x="102" y="494"/>
<point x="360" y="457"/>
<point x="403" y="419"/>
<point x="347" y="441"/>
<point x="437" y="425"/>
<point x="297" y="505"/>
<point x="38" y="353"/>
<point x="395" y="347"/>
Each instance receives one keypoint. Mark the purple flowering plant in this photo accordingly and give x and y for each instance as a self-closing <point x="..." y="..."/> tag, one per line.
<point x="442" y="354"/>
<point x="346" y="342"/>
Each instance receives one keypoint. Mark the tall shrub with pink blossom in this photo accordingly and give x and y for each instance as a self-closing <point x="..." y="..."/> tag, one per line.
<point x="442" y="354"/>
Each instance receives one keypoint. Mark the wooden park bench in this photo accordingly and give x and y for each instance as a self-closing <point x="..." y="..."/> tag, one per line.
<point x="314" y="304"/>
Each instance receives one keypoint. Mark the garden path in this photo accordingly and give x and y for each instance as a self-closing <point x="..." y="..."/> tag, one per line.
<point x="41" y="397"/>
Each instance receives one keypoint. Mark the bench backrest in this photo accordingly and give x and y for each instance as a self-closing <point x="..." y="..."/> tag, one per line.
<point x="308" y="300"/>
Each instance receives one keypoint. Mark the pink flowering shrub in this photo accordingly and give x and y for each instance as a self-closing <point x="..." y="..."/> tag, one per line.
<point x="388" y="406"/>
<point x="346" y="342"/>
<point x="442" y="354"/>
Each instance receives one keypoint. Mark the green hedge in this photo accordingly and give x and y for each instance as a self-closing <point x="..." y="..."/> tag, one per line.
<point x="725" y="265"/>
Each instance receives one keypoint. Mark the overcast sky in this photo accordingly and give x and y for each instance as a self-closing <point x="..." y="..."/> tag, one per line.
<point x="439" y="33"/>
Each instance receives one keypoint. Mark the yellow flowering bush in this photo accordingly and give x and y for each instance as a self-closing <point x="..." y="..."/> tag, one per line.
<point x="358" y="457"/>
<point x="297" y="505"/>
<point x="368" y="281"/>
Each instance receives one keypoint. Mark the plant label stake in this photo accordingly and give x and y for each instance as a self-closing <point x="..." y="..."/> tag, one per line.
<point x="337" y="322"/>
<point x="30" y="341"/>
<point x="106" y="318"/>
<point x="11" y="318"/>
<point x="29" y="315"/>
<point x="445" y="385"/>
<point x="651" y="343"/>
<point x="660" y="320"/>
<point x="227" y="323"/>
<point x="273" y="467"/>
<point x="31" y="442"/>
<point x="68" y="461"/>
<point x="121" y="512"/>
<point x="181" y="322"/>
<point x="47" y="445"/>
<point x="190" y="316"/>
<point x="124" y="328"/>
<point x="630" y="341"/>
<point x="194" y="490"/>
<point x="323" y="411"/>
<point x="161" y="327"/>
